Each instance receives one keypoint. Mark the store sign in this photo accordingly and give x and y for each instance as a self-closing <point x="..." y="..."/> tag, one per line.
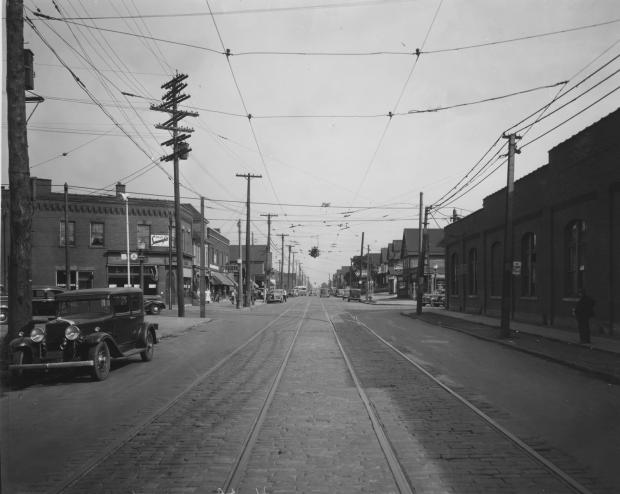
<point x="516" y="268"/>
<point x="160" y="241"/>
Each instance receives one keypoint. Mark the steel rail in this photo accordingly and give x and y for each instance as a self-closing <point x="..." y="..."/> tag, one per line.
<point x="400" y="477"/>
<point x="554" y="469"/>
<point x="133" y="432"/>
<point x="234" y="476"/>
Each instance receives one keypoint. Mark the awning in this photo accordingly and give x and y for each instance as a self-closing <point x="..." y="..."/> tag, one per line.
<point x="221" y="279"/>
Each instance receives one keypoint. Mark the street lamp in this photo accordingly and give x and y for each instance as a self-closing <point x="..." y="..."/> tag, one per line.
<point x="126" y="199"/>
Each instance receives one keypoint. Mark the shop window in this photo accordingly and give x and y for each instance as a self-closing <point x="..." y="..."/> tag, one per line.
<point x="144" y="237"/>
<point x="70" y="234"/>
<point x="96" y="234"/>
<point x="472" y="272"/>
<point x="575" y="242"/>
<point x="496" y="269"/>
<point x="528" y="266"/>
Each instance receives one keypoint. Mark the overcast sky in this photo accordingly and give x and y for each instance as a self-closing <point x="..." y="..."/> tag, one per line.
<point x="319" y="80"/>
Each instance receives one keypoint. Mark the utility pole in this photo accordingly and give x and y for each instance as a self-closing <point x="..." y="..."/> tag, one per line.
<point x="362" y="260"/>
<point x="239" y="266"/>
<point x="270" y="268"/>
<point x="170" y="262"/>
<point x="180" y="150"/>
<point x="67" y="261"/>
<point x="508" y="243"/>
<point x="288" y="270"/>
<point x="282" y="260"/>
<point x="203" y="287"/>
<point x="423" y="236"/>
<point x="368" y="295"/>
<point x="20" y="195"/>
<point x="247" y="300"/>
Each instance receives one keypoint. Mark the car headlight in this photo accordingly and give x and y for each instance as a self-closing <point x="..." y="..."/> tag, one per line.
<point x="72" y="332"/>
<point x="37" y="334"/>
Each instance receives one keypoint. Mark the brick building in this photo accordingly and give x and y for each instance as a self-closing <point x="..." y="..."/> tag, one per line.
<point x="566" y="237"/>
<point x="97" y="240"/>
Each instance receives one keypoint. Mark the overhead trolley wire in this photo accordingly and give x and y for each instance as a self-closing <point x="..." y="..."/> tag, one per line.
<point x="228" y="53"/>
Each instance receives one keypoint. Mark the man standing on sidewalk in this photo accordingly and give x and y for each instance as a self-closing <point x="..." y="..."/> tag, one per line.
<point x="583" y="311"/>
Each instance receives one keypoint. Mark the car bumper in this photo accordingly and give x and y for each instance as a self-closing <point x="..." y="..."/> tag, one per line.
<point x="53" y="365"/>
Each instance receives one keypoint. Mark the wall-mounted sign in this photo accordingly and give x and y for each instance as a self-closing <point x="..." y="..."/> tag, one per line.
<point x="160" y="241"/>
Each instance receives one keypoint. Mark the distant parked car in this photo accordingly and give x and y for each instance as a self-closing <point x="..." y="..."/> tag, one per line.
<point x="354" y="294"/>
<point x="43" y="303"/>
<point x="93" y="326"/>
<point x="339" y="292"/>
<point x="153" y="304"/>
<point x="276" y="295"/>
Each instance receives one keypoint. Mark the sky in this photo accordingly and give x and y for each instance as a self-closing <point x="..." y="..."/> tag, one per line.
<point x="348" y="110"/>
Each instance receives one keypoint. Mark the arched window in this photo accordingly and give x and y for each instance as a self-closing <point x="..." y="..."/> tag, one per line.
<point x="472" y="272"/>
<point x="575" y="241"/>
<point x="528" y="266"/>
<point x="496" y="269"/>
<point x="454" y="274"/>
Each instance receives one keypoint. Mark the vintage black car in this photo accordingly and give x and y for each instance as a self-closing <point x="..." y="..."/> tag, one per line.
<point x="153" y="305"/>
<point x="93" y="326"/>
<point x="43" y="303"/>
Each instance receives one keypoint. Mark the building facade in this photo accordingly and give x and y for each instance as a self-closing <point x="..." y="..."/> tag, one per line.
<point x="566" y="237"/>
<point x="96" y="239"/>
<point x="433" y="265"/>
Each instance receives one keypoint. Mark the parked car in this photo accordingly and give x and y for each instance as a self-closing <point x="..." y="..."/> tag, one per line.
<point x="433" y="299"/>
<point x="354" y="294"/>
<point x="153" y="304"/>
<point x="276" y="295"/>
<point x="339" y="292"/>
<point x="93" y="326"/>
<point x="345" y="293"/>
<point x="4" y="305"/>
<point x="43" y="303"/>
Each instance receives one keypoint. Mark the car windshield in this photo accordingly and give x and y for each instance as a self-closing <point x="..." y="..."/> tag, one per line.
<point x="92" y="306"/>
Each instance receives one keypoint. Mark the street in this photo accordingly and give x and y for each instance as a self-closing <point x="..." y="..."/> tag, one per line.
<point x="303" y="396"/>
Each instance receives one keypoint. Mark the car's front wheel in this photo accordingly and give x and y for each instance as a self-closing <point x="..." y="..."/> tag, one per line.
<point x="100" y="355"/>
<point x="147" y="354"/>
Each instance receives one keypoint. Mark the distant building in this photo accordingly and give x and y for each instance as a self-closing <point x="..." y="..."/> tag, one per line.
<point x="433" y="266"/>
<point x="97" y="240"/>
<point x="566" y="237"/>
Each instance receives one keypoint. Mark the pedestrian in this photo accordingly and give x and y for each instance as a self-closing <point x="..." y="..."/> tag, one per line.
<point x="233" y="296"/>
<point x="584" y="310"/>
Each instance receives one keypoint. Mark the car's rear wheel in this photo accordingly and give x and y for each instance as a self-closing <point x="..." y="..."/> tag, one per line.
<point x="100" y="355"/>
<point x="147" y="354"/>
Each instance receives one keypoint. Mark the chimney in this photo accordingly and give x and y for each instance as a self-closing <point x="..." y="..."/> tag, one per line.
<point x="120" y="189"/>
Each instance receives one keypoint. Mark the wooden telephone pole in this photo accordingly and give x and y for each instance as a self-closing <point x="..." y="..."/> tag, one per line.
<point x="180" y="150"/>
<point x="508" y="241"/>
<point x="247" y="299"/>
<point x="20" y="214"/>
<point x="270" y="267"/>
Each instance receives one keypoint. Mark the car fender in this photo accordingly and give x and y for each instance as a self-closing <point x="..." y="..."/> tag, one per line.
<point x="146" y="327"/>
<point x="95" y="338"/>
<point x="21" y="343"/>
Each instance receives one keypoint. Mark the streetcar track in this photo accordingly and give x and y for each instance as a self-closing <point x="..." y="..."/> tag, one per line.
<point x="238" y="468"/>
<point x="400" y="477"/>
<point x="136" y="430"/>
<point x="529" y="451"/>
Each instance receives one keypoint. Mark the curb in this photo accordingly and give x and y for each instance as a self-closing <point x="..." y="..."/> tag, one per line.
<point x="615" y="379"/>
